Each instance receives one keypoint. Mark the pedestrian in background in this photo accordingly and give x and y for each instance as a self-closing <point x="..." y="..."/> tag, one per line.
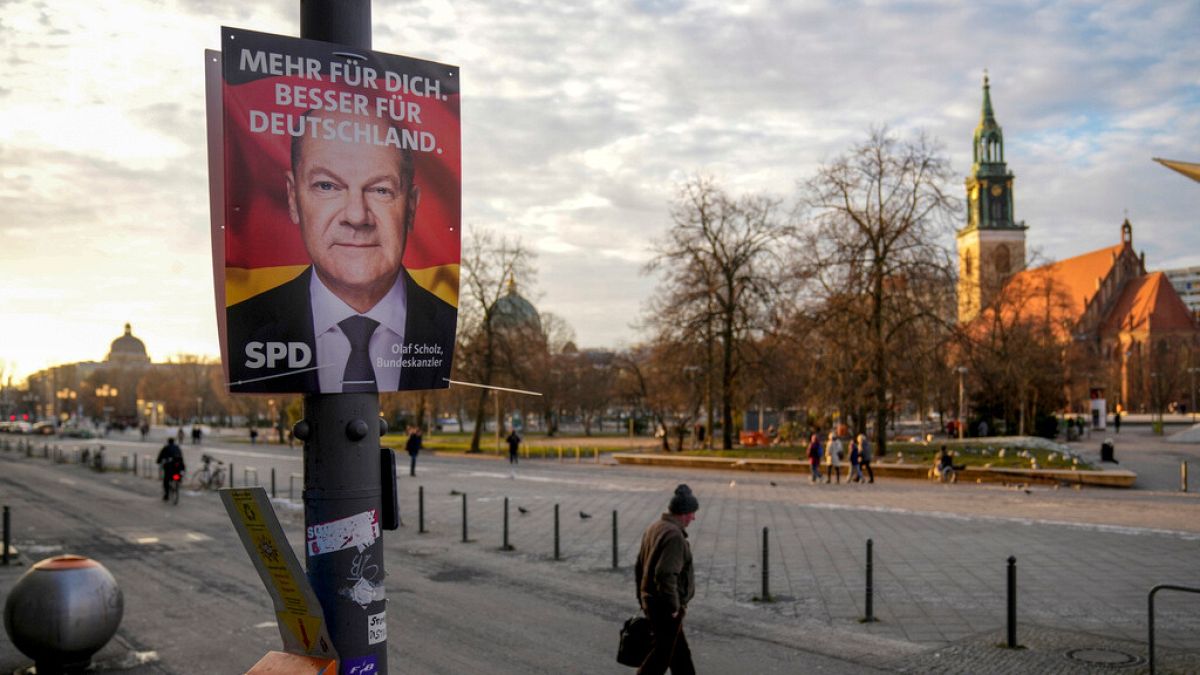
<point x="815" y="452"/>
<point x="855" y="473"/>
<point x="413" y="447"/>
<point x="864" y="457"/>
<point x="666" y="583"/>
<point x="514" y="444"/>
<point x="833" y="458"/>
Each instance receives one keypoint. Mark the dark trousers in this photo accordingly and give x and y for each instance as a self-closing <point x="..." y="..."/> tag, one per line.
<point x="830" y="470"/>
<point x="412" y="463"/>
<point x="512" y="456"/>
<point x="167" y="474"/>
<point x="669" y="648"/>
<point x="866" y="466"/>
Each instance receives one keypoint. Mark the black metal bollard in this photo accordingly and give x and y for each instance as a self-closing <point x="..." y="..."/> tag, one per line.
<point x="615" y="565"/>
<point x="1012" y="602"/>
<point x="135" y="464"/>
<point x="7" y="536"/>
<point x="506" y="546"/>
<point x="1183" y="476"/>
<point x="231" y="474"/>
<point x="464" y="517"/>
<point x="421" y="509"/>
<point x="272" y="482"/>
<point x="870" y="617"/>
<point x="766" y="567"/>
<point x="556" y="556"/>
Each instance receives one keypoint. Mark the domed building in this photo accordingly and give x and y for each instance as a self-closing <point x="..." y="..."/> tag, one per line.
<point x="512" y="312"/>
<point x="99" y="389"/>
<point x="128" y="350"/>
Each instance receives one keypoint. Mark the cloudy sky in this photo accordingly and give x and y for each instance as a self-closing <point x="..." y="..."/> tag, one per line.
<point x="578" y="122"/>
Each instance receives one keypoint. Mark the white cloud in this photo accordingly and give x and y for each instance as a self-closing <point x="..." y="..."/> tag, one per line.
<point x="578" y="122"/>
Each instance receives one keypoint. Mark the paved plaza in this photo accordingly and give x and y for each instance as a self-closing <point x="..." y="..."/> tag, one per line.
<point x="1085" y="559"/>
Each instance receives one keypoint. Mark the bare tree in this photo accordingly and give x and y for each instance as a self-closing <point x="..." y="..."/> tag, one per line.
<point x="877" y="215"/>
<point x="720" y="263"/>
<point x="660" y="379"/>
<point x="490" y="263"/>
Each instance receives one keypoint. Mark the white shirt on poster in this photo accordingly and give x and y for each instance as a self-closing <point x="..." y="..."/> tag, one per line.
<point x="333" y="347"/>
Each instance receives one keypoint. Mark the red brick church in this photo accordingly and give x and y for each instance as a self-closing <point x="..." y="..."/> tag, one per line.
<point x="1127" y="331"/>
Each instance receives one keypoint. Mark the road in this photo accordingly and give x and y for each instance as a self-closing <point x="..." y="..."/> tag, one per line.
<point x="1086" y="559"/>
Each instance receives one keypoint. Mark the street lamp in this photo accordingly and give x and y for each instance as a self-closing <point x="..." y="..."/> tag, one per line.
<point x="65" y="395"/>
<point x="962" y="370"/>
<point x="105" y="393"/>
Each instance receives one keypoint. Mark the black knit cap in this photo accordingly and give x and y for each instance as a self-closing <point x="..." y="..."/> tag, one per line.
<point x="684" y="501"/>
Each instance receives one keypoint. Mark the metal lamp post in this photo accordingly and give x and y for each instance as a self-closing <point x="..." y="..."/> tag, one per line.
<point x="66" y="397"/>
<point x="105" y="393"/>
<point x="962" y="371"/>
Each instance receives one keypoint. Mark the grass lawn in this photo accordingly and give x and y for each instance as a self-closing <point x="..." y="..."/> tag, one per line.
<point x="543" y="447"/>
<point x="973" y="452"/>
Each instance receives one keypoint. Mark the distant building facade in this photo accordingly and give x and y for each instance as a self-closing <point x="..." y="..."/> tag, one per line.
<point x="1128" y="327"/>
<point x="98" y="389"/>
<point x="1186" y="281"/>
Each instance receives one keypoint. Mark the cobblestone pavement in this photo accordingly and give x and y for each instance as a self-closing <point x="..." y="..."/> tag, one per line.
<point x="1085" y="558"/>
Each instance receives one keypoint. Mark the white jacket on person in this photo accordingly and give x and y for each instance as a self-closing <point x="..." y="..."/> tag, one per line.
<point x="834" y="452"/>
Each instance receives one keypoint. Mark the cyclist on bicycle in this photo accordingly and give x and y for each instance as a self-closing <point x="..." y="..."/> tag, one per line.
<point x="171" y="459"/>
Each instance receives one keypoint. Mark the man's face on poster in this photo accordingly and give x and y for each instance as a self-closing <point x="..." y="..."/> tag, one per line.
<point x="354" y="207"/>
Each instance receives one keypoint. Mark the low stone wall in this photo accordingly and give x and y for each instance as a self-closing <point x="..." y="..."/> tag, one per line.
<point x="1114" y="478"/>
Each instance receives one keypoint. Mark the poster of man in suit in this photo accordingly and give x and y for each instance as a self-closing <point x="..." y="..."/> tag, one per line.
<point x="342" y="217"/>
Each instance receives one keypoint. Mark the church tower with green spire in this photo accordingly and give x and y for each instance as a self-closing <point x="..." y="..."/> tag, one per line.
<point x="991" y="246"/>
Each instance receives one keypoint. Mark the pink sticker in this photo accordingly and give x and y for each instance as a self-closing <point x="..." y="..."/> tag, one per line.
<point x="360" y="531"/>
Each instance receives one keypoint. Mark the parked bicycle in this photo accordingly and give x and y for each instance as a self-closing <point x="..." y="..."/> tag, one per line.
<point x="209" y="477"/>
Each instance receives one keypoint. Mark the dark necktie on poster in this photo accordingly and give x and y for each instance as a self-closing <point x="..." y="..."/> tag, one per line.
<point x="359" y="376"/>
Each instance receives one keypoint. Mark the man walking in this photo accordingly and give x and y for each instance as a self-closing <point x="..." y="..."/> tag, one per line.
<point x="665" y="585"/>
<point x="514" y="445"/>
<point x="413" y="447"/>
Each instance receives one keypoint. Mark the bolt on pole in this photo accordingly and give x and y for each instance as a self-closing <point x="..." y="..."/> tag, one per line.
<point x="464" y="504"/>
<point x="506" y="546"/>
<point x="870" y="601"/>
<point x="766" y="567"/>
<point x="421" y="509"/>
<point x="615" y="565"/>
<point x="7" y="535"/>
<point x="1012" y="602"/>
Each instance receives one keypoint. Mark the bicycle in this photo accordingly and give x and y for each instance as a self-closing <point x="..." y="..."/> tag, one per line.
<point x="209" y="477"/>
<point x="176" y="479"/>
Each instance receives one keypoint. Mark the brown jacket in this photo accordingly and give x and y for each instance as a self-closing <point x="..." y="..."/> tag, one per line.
<point x="664" y="565"/>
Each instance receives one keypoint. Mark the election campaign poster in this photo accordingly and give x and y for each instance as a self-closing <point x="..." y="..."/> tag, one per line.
<point x="338" y="241"/>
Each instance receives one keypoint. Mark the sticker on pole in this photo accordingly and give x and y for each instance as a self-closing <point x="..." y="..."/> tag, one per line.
<point x="297" y="610"/>
<point x="376" y="628"/>
<point x="358" y="531"/>
<point x="340" y="202"/>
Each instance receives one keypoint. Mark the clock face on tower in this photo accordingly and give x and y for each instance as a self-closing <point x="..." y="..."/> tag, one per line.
<point x="997" y="190"/>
